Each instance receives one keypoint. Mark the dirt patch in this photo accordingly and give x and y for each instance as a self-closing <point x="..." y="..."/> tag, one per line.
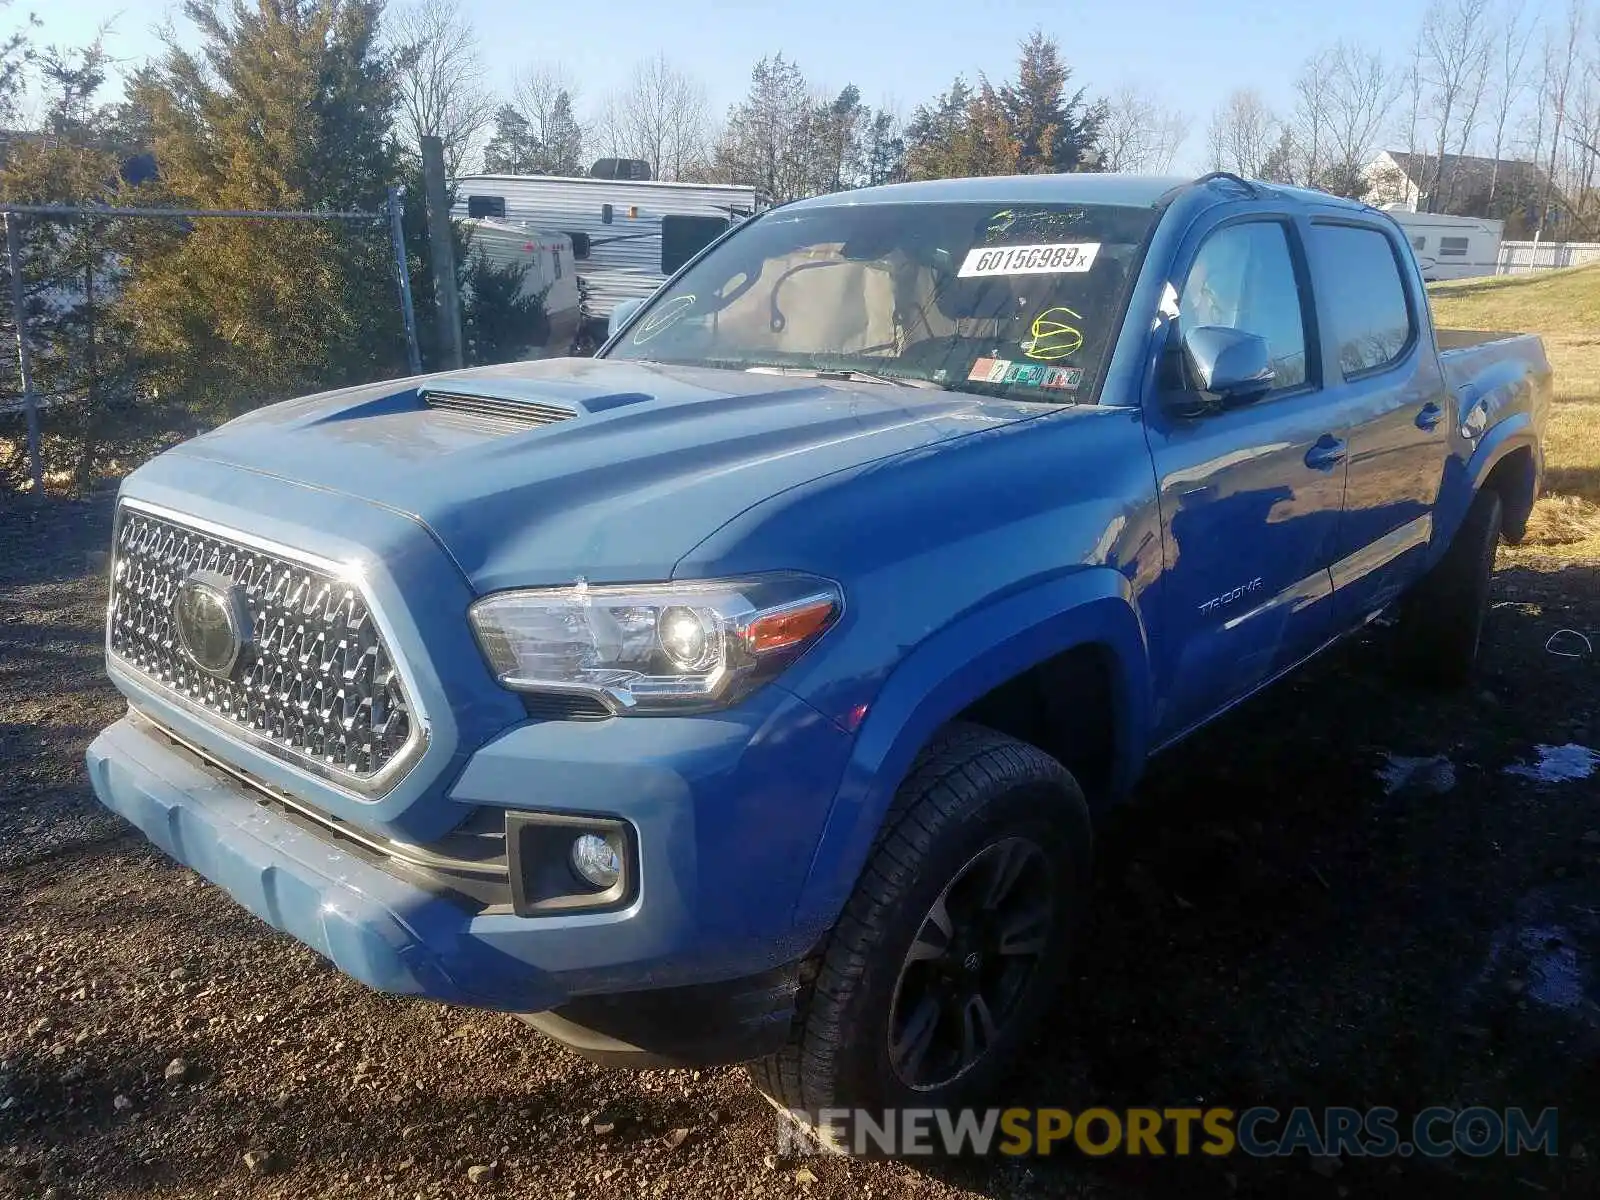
<point x="1337" y="896"/>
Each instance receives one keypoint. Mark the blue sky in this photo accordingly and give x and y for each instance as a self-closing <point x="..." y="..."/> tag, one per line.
<point x="1189" y="53"/>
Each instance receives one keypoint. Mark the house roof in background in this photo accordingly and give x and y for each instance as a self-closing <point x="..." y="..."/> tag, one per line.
<point x="1470" y="173"/>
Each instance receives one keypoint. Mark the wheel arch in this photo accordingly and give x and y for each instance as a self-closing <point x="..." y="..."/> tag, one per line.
<point x="1508" y="458"/>
<point x="1515" y="476"/>
<point x="1086" y="616"/>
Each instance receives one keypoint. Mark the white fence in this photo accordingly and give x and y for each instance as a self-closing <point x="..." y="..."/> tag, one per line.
<point x="1521" y="258"/>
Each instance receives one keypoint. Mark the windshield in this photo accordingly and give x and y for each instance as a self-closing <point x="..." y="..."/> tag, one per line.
<point x="1022" y="302"/>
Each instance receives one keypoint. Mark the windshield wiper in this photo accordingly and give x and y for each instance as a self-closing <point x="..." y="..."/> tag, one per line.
<point x="846" y="373"/>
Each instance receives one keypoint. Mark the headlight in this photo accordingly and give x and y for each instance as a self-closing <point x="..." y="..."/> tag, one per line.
<point x="658" y="646"/>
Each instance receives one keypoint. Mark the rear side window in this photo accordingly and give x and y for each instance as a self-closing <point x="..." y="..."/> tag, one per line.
<point x="1453" y="247"/>
<point x="1361" y="296"/>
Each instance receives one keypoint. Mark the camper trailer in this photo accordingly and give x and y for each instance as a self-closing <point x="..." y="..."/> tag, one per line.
<point x="628" y="234"/>
<point x="548" y="268"/>
<point x="1451" y="247"/>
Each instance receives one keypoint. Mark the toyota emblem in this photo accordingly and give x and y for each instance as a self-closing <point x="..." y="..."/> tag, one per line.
<point x="212" y="621"/>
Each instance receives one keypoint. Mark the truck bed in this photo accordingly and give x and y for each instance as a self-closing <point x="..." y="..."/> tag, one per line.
<point x="1477" y="362"/>
<point x="1463" y="339"/>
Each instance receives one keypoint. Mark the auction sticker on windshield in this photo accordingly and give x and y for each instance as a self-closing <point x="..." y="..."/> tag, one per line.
<point x="1049" y="259"/>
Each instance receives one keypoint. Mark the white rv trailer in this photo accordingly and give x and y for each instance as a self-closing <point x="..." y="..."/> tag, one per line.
<point x="620" y="218"/>
<point x="1451" y="247"/>
<point x="547" y="265"/>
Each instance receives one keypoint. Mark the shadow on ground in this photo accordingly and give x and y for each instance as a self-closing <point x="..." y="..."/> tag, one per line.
<point x="1275" y="923"/>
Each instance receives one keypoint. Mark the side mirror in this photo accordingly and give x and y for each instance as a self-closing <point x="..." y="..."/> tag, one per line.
<point x="620" y="313"/>
<point x="1229" y="363"/>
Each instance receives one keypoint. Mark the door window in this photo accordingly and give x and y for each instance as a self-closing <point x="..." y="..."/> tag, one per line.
<point x="1244" y="278"/>
<point x="1362" y="296"/>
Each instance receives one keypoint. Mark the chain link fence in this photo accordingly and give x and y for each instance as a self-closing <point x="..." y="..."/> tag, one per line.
<point x="127" y="328"/>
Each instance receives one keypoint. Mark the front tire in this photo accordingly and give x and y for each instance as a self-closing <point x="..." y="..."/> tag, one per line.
<point x="1441" y="626"/>
<point x="954" y="941"/>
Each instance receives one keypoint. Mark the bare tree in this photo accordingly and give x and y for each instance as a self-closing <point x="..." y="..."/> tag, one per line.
<point x="1561" y="57"/>
<point x="660" y="117"/>
<point x="1361" y="92"/>
<point x="440" y="80"/>
<point x="547" y="98"/>
<point x="1243" y="134"/>
<point x="1311" y="116"/>
<point x="1139" y="134"/>
<point x="1413" y="89"/>
<point x="1583" y="154"/>
<point x="1516" y="34"/>
<point x="1455" y="64"/>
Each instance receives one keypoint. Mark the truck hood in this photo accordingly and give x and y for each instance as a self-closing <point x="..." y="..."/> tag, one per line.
<point x="535" y="473"/>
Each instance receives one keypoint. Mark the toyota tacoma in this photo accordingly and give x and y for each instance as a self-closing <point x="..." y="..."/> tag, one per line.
<point x="749" y="691"/>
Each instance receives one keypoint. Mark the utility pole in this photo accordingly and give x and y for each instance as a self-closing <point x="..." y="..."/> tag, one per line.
<point x="19" y="314"/>
<point x="442" y="253"/>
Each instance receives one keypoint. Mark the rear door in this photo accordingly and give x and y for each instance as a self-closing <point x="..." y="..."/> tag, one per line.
<point x="1250" y="495"/>
<point x="1399" y="409"/>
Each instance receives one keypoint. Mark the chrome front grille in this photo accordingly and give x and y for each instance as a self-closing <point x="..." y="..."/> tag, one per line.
<point x="315" y="683"/>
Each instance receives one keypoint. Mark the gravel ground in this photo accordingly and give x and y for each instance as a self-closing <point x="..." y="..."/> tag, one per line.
<point x="1337" y="896"/>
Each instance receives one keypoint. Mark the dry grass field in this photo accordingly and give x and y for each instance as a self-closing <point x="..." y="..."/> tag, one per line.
<point x="1563" y="307"/>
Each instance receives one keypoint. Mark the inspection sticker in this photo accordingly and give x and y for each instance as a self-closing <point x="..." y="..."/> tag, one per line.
<point x="1048" y="259"/>
<point x="989" y="370"/>
<point x="1027" y="374"/>
<point x="1063" y="379"/>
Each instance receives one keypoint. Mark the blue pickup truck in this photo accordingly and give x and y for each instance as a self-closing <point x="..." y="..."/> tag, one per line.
<point x="748" y="692"/>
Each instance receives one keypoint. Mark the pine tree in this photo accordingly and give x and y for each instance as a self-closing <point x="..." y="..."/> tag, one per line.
<point x="85" y="363"/>
<point x="964" y="132"/>
<point x="1031" y="125"/>
<point x="1052" y="130"/>
<point x="768" y="140"/>
<point x="286" y="105"/>
<point x="935" y="130"/>
<point x="884" y="150"/>
<point x="838" y="124"/>
<point x="512" y="148"/>
<point x="989" y="143"/>
<point x="560" y="151"/>
<point x="500" y="322"/>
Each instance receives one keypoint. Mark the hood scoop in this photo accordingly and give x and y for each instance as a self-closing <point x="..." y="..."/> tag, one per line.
<point x="510" y="412"/>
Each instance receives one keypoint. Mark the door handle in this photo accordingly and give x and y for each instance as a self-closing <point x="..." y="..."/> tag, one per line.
<point x="1430" y="416"/>
<point x="1326" y="453"/>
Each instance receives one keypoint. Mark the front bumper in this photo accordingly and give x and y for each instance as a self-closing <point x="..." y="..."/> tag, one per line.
<point x="390" y="933"/>
<point x="701" y="967"/>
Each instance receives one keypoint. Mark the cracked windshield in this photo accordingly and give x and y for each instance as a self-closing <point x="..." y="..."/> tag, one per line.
<point x="1019" y="302"/>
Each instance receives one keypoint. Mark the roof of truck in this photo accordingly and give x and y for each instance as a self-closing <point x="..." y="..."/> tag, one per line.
<point x="1087" y="188"/>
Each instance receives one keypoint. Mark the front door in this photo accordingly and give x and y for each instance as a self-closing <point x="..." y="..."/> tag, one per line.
<point x="1250" y="495"/>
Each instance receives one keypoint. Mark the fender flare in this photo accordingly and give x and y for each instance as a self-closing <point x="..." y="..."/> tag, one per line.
<point x="1464" y="480"/>
<point x="1513" y="433"/>
<point x="946" y="673"/>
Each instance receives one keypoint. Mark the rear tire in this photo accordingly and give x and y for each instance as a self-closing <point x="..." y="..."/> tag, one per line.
<point x="1441" y="626"/>
<point x="954" y="940"/>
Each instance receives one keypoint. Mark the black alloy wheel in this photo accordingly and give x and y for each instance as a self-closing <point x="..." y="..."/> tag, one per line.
<point x="970" y="963"/>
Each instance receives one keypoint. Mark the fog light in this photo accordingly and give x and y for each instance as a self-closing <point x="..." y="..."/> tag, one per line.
<point x="596" y="861"/>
